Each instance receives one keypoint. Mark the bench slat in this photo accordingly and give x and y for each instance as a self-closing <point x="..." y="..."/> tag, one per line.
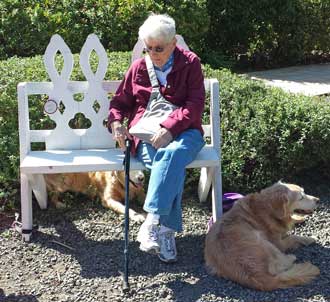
<point x="35" y="88"/>
<point x="40" y="135"/>
<point x="67" y="161"/>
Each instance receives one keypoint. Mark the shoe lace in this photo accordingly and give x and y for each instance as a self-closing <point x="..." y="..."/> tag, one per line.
<point x="153" y="233"/>
<point x="168" y="240"/>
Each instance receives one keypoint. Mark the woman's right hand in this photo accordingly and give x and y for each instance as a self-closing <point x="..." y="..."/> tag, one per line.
<point x="120" y="133"/>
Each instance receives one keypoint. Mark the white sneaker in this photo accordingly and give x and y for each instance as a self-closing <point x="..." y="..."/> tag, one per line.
<point x="167" y="246"/>
<point x="148" y="237"/>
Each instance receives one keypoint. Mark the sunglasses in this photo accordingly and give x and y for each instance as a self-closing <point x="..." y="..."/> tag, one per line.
<point x="154" y="49"/>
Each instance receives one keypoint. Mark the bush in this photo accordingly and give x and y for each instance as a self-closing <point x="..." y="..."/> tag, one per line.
<point x="269" y="32"/>
<point x="26" y="26"/>
<point x="263" y="33"/>
<point x="267" y="134"/>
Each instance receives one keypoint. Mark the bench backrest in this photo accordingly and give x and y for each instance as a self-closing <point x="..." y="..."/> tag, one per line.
<point x="62" y="107"/>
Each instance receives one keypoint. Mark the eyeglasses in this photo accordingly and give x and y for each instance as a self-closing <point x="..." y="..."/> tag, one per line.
<point x="155" y="49"/>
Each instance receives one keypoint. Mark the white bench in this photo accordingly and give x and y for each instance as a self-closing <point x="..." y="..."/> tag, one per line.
<point x="81" y="150"/>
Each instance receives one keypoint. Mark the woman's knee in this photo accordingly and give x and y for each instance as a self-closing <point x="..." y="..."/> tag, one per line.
<point x="178" y="154"/>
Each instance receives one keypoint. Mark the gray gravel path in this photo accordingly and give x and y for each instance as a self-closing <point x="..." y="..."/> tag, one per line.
<point x="89" y="269"/>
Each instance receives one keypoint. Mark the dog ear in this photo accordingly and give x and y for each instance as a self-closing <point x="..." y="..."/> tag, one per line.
<point x="279" y="204"/>
<point x="120" y="177"/>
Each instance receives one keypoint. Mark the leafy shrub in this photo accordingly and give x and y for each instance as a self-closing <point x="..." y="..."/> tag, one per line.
<point x="269" y="32"/>
<point x="267" y="134"/>
<point x="263" y="33"/>
<point x="26" y="26"/>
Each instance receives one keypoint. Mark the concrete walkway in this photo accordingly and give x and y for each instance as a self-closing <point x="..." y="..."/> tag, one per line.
<point x="307" y="79"/>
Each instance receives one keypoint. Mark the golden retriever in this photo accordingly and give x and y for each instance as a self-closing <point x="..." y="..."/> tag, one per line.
<point x="247" y="244"/>
<point x="108" y="186"/>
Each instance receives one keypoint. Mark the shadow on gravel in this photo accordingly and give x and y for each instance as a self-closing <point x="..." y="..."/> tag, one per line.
<point x="16" y="298"/>
<point x="98" y="252"/>
<point x="199" y="283"/>
<point x="95" y="258"/>
<point x="105" y="258"/>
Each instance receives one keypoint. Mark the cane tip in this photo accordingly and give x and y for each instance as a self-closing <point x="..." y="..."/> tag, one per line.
<point x="125" y="288"/>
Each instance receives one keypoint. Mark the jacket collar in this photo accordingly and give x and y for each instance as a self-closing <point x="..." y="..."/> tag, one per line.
<point x="167" y="65"/>
<point x="180" y="59"/>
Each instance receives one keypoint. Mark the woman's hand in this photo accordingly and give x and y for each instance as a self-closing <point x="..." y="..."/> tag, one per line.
<point x="162" y="138"/>
<point x="119" y="133"/>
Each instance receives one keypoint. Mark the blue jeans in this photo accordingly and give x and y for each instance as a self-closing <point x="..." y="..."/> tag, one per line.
<point x="167" y="175"/>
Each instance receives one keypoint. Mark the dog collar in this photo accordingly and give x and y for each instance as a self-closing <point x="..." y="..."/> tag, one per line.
<point x="132" y="182"/>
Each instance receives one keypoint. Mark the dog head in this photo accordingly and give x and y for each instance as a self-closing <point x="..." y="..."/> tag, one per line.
<point x="137" y="177"/>
<point x="302" y="204"/>
<point x="289" y="201"/>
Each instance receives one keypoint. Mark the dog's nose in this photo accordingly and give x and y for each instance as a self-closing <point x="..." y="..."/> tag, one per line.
<point x="313" y="198"/>
<point x="141" y="177"/>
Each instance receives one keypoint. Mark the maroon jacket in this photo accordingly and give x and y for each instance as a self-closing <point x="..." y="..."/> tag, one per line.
<point x="185" y="88"/>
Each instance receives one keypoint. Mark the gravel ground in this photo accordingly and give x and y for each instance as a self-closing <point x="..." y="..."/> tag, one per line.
<point x="89" y="267"/>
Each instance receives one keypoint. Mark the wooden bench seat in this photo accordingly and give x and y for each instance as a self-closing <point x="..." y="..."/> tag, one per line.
<point x="64" y="161"/>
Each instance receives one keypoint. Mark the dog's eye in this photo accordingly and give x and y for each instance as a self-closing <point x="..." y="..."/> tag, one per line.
<point x="302" y="195"/>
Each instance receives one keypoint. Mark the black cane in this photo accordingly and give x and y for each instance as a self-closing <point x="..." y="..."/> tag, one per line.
<point x="126" y="165"/>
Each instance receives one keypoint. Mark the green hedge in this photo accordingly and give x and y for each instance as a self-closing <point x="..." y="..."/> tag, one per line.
<point x="26" y="26"/>
<point x="264" y="32"/>
<point x="269" y="31"/>
<point x="267" y="134"/>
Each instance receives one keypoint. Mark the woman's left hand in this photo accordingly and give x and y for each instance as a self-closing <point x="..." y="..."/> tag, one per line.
<point x="120" y="133"/>
<point x="162" y="138"/>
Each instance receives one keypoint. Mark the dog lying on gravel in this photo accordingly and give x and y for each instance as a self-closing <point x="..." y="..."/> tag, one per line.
<point x="247" y="244"/>
<point x="108" y="186"/>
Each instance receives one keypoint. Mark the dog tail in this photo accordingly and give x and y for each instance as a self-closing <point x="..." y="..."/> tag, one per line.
<point x="298" y="274"/>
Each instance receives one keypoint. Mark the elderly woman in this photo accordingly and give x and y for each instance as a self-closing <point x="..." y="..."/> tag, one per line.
<point x="178" y="139"/>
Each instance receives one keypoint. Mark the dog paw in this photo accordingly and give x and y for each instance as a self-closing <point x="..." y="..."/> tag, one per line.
<point x="306" y="240"/>
<point x="309" y="269"/>
<point x="291" y="258"/>
<point x="138" y="218"/>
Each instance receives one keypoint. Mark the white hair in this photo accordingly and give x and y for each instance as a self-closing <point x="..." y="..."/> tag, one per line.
<point x="158" y="27"/>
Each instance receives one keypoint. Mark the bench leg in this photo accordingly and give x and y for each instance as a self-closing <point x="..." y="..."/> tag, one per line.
<point x="205" y="181"/>
<point x="211" y="176"/>
<point x="216" y="194"/>
<point x="39" y="189"/>
<point x="26" y="207"/>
